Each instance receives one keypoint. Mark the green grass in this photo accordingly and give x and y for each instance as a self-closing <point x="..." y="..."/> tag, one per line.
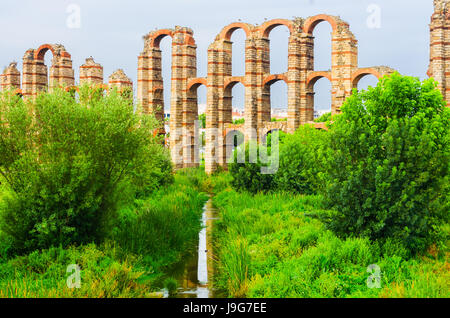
<point x="149" y="240"/>
<point x="270" y="246"/>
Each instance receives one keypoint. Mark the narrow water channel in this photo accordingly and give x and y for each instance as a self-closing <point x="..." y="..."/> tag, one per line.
<point x="196" y="280"/>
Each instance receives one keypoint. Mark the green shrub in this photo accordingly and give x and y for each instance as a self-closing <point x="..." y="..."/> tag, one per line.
<point x="387" y="163"/>
<point x="299" y="170"/>
<point x="324" y="118"/>
<point x="247" y="175"/>
<point x="64" y="161"/>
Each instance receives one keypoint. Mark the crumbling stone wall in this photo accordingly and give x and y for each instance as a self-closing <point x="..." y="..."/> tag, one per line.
<point x="10" y="79"/>
<point x="91" y="73"/>
<point x="300" y="79"/>
<point x="35" y="77"/>
<point x="440" y="47"/>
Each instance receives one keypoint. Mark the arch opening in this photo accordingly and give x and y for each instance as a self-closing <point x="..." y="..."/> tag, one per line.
<point x="319" y="97"/>
<point x="279" y="49"/>
<point x="364" y="80"/>
<point x="238" y="39"/>
<point x="322" y="34"/>
<point x="275" y="100"/>
<point x="165" y="46"/>
<point x="234" y="103"/>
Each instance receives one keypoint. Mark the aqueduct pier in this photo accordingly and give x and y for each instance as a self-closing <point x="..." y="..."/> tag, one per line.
<point x="300" y="78"/>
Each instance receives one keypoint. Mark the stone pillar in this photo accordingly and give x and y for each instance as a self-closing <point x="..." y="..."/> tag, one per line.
<point x="10" y="79"/>
<point x="222" y="75"/>
<point x="344" y="50"/>
<point x="439" y="67"/>
<point x="214" y="96"/>
<point x="27" y="73"/>
<point x="253" y="90"/>
<point x="120" y="81"/>
<point x="91" y="73"/>
<point x="304" y="96"/>
<point x="262" y="70"/>
<point x="184" y="40"/>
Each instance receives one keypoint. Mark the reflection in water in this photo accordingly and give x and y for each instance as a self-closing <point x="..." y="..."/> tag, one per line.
<point x="198" y="269"/>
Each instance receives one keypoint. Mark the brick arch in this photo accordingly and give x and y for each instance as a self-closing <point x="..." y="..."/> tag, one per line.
<point x="197" y="82"/>
<point x="312" y="22"/>
<point x="359" y="74"/>
<point x="315" y="76"/>
<point x="227" y="31"/>
<point x="232" y="81"/>
<point x="157" y="37"/>
<point x="39" y="54"/>
<point x="271" y="79"/>
<point x="268" y="26"/>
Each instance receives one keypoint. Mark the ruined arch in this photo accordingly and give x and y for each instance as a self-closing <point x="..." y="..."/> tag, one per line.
<point x="313" y="78"/>
<point x="228" y="31"/>
<point x="268" y="26"/>
<point x="312" y="22"/>
<point x="359" y="74"/>
<point x="37" y="78"/>
<point x="264" y="111"/>
<point x="156" y="38"/>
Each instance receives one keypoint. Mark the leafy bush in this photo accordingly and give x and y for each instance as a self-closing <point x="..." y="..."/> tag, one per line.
<point x="248" y="174"/>
<point x="64" y="161"/>
<point x="387" y="163"/>
<point x="324" y="118"/>
<point x="299" y="162"/>
<point x="43" y="274"/>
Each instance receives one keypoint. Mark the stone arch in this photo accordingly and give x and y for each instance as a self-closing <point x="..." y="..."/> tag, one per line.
<point x="157" y="36"/>
<point x="359" y="74"/>
<point x="265" y="106"/>
<point x="196" y="82"/>
<point x="312" y="22"/>
<point x="268" y="26"/>
<point x="273" y="78"/>
<point x="227" y="31"/>
<point x="36" y="77"/>
<point x="315" y="76"/>
<point x="310" y="93"/>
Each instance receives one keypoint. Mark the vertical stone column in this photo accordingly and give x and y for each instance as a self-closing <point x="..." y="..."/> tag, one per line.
<point x="439" y="67"/>
<point x="183" y="37"/>
<point x="120" y="81"/>
<point x="262" y="70"/>
<point x="10" y="79"/>
<point x="27" y="73"/>
<point x="91" y="73"/>
<point x="304" y="95"/>
<point x="224" y="104"/>
<point x="61" y="71"/>
<point x="253" y="90"/>
<point x="344" y="50"/>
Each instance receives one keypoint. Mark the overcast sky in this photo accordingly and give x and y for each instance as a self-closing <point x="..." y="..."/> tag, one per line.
<point x="111" y="31"/>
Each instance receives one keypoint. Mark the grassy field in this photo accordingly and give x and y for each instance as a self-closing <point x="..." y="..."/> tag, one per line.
<point x="270" y="246"/>
<point x="149" y="239"/>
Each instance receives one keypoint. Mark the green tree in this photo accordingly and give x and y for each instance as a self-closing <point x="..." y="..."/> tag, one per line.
<point x="299" y="170"/>
<point x="65" y="162"/>
<point x="387" y="163"/>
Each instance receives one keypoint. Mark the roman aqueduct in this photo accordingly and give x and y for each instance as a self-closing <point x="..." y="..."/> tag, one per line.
<point x="299" y="78"/>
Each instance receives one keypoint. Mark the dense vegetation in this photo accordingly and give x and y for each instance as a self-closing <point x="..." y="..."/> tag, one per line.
<point x="85" y="181"/>
<point x="268" y="245"/>
<point x="373" y="189"/>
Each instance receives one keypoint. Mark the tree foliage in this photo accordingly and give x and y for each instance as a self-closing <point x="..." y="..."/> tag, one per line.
<point x="387" y="163"/>
<point x="66" y="159"/>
